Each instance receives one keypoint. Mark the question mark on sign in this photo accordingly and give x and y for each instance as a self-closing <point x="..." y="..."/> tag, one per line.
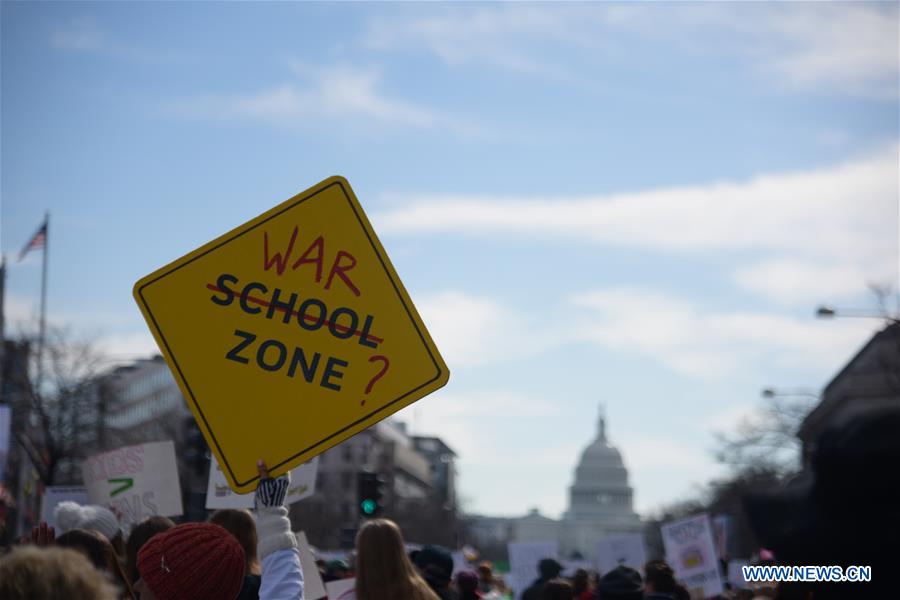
<point x="387" y="363"/>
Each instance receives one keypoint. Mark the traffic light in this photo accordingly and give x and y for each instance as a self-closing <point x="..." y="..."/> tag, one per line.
<point x="369" y="491"/>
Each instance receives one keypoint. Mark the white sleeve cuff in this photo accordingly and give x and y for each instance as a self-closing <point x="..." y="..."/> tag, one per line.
<point x="274" y="529"/>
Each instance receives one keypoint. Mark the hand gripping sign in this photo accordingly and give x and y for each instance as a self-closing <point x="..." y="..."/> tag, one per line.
<point x="290" y="333"/>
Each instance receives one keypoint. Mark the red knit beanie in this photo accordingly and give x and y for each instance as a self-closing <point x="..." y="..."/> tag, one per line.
<point x="194" y="561"/>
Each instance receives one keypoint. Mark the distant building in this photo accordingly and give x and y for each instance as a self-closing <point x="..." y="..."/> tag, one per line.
<point x="144" y="404"/>
<point x="600" y="505"/>
<point x="410" y="494"/>
<point x="871" y="379"/>
<point x="442" y="465"/>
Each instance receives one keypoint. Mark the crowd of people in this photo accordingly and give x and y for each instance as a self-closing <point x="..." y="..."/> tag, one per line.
<point x="845" y="511"/>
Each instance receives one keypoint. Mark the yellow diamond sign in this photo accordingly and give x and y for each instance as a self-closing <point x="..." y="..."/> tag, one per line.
<point x="290" y="333"/>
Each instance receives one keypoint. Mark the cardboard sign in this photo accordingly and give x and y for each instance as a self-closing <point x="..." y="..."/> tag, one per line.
<point x="313" y="588"/>
<point x="691" y="552"/>
<point x="55" y="494"/>
<point x="137" y="481"/>
<point x="220" y="495"/>
<point x="342" y="589"/>
<point x="295" y="317"/>
<point x="625" y="550"/>
<point x="523" y="562"/>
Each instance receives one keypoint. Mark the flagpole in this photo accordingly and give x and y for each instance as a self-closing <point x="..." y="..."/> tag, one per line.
<point x="40" y="352"/>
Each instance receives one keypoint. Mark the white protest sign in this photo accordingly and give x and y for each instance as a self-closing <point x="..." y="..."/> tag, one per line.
<point x="625" y="550"/>
<point x="138" y="481"/>
<point x="736" y="573"/>
<point x="313" y="588"/>
<point x="691" y="552"/>
<point x="459" y="562"/>
<point x="220" y="495"/>
<point x="55" y="494"/>
<point x="523" y="562"/>
<point x="342" y="589"/>
<point x="571" y="566"/>
<point x="5" y="428"/>
<point x="721" y="534"/>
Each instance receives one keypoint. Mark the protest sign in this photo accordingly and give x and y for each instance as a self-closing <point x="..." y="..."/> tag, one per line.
<point x="220" y="495"/>
<point x="625" y="550"/>
<point x="342" y="589"/>
<point x="5" y="428"/>
<point x="313" y="588"/>
<point x="722" y="525"/>
<point x="297" y="316"/>
<point x="736" y="573"/>
<point x="691" y="552"/>
<point x="571" y="566"/>
<point x="55" y="494"/>
<point x="523" y="562"/>
<point x="138" y="481"/>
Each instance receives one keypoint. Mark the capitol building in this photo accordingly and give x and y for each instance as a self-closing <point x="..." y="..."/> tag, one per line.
<point x="600" y="505"/>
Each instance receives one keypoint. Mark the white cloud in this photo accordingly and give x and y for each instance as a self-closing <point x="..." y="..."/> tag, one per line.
<point x="475" y="330"/>
<point x="840" y="47"/>
<point x="335" y="93"/>
<point x="800" y="282"/>
<point x="700" y="343"/>
<point x="78" y="34"/>
<point x="825" y="231"/>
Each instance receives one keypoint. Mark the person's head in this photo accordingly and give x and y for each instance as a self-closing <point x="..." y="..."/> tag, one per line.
<point x="581" y="581"/>
<point x="681" y="593"/>
<point x="622" y="583"/>
<point x="71" y="515"/>
<point x="99" y="550"/>
<point x="659" y="577"/>
<point x="241" y="525"/>
<point x="337" y="569"/>
<point x="140" y="533"/>
<point x="467" y="585"/>
<point x="383" y="570"/>
<point x="31" y="573"/>
<point x="436" y="565"/>
<point x="557" y="589"/>
<point x="196" y="561"/>
<point x="549" y="568"/>
<point x="486" y="572"/>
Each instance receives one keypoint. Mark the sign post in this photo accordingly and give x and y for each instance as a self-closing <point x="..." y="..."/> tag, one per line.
<point x="295" y="317"/>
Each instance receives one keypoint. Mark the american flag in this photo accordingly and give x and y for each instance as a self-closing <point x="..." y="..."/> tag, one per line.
<point x="38" y="240"/>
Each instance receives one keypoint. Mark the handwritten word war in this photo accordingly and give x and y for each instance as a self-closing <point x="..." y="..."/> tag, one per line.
<point x="314" y="255"/>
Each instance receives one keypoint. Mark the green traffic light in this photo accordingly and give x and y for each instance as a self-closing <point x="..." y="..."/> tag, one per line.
<point x="368" y="506"/>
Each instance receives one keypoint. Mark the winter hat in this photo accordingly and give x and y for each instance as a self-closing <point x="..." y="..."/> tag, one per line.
<point x="71" y="515"/>
<point x="194" y="561"/>
<point x="549" y="568"/>
<point x="622" y="583"/>
<point x="435" y="562"/>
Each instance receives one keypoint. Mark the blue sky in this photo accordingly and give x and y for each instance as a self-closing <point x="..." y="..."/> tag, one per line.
<point x="639" y="205"/>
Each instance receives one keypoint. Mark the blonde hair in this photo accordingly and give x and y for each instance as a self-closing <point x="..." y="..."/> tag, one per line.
<point x="383" y="570"/>
<point x="31" y="573"/>
<point x="241" y="525"/>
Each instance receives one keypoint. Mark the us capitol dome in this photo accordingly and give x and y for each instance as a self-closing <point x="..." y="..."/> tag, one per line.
<point x="600" y="503"/>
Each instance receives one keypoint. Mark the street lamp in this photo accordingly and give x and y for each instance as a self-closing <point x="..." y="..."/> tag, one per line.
<point x="771" y="392"/>
<point x="829" y="312"/>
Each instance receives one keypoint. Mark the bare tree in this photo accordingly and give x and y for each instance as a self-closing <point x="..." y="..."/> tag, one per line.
<point x="767" y="440"/>
<point x="60" y="419"/>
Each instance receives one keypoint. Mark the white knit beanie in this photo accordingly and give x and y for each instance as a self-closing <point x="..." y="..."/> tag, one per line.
<point x="71" y="515"/>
